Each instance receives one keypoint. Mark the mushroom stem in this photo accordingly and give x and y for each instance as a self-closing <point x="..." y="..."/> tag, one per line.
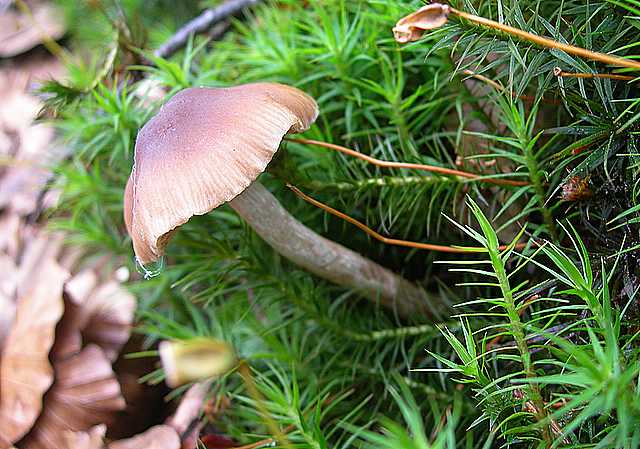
<point x="329" y="260"/>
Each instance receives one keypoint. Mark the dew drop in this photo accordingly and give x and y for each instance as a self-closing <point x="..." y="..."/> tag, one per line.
<point x="151" y="269"/>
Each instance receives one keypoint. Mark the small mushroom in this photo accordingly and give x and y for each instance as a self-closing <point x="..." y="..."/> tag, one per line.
<point x="206" y="147"/>
<point x="195" y="360"/>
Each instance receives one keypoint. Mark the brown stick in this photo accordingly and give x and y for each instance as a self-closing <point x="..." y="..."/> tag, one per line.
<point x="549" y="43"/>
<point x="614" y="76"/>
<point x="201" y="24"/>
<point x="329" y="260"/>
<point x="423" y="167"/>
<point x="387" y="240"/>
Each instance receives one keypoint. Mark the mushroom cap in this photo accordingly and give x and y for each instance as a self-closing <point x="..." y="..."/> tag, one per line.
<point x="195" y="360"/>
<point x="203" y="148"/>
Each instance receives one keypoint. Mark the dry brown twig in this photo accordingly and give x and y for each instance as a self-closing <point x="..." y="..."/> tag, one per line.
<point x="613" y="76"/>
<point x="421" y="167"/>
<point x="387" y="240"/>
<point x="411" y="28"/>
<point x="202" y="24"/>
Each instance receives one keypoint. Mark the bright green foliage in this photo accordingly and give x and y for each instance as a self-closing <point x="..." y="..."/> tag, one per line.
<point x="544" y="351"/>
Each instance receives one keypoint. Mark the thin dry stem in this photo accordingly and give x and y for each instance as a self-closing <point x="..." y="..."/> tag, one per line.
<point x="549" y="43"/>
<point x="383" y="239"/>
<point x="278" y="435"/>
<point x="500" y="88"/>
<point x="423" y="167"/>
<point x="51" y="45"/>
<point x="613" y="76"/>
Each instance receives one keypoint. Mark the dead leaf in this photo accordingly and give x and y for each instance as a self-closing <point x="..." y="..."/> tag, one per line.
<point x="108" y="315"/>
<point x="25" y="371"/>
<point x="8" y="274"/>
<point x="91" y="439"/>
<point x="26" y="148"/>
<point x="85" y="393"/>
<point x="20" y="33"/>
<point x="411" y="28"/>
<point x="158" y="437"/>
<point x="190" y="407"/>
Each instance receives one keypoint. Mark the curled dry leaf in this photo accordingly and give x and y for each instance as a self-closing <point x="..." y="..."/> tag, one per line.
<point x="8" y="272"/>
<point x="411" y="28"/>
<point x="107" y="316"/>
<point x="100" y="315"/>
<point x="25" y="371"/>
<point x="203" y="149"/>
<point x="20" y="33"/>
<point x="158" y="437"/>
<point x="27" y="146"/>
<point x="91" y="439"/>
<point x="38" y="247"/>
<point x="10" y="235"/>
<point x="188" y="413"/>
<point x="85" y="393"/>
<point x="190" y="407"/>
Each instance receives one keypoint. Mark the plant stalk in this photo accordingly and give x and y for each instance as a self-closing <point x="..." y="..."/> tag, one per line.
<point x="329" y="260"/>
<point x="517" y="328"/>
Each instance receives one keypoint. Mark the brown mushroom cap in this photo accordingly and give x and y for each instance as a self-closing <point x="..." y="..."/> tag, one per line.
<point x="204" y="147"/>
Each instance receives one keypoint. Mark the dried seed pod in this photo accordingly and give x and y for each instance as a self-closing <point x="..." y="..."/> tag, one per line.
<point x="576" y="189"/>
<point x="411" y="28"/>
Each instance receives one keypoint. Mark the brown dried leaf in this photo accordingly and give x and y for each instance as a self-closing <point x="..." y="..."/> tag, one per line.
<point x="190" y="407"/>
<point x="411" y="28"/>
<point x="158" y="437"/>
<point x="25" y="372"/>
<point x="10" y="235"/>
<point x="102" y="315"/>
<point x="91" y="439"/>
<point x="20" y="33"/>
<point x="8" y="273"/>
<point x="109" y="313"/>
<point x="25" y="146"/>
<point x="68" y="337"/>
<point x="40" y="247"/>
<point x="85" y="393"/>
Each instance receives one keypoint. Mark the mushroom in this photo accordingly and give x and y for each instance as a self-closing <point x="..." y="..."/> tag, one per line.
<point x="195" y="360"/>
<point x="206" y="147"/>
